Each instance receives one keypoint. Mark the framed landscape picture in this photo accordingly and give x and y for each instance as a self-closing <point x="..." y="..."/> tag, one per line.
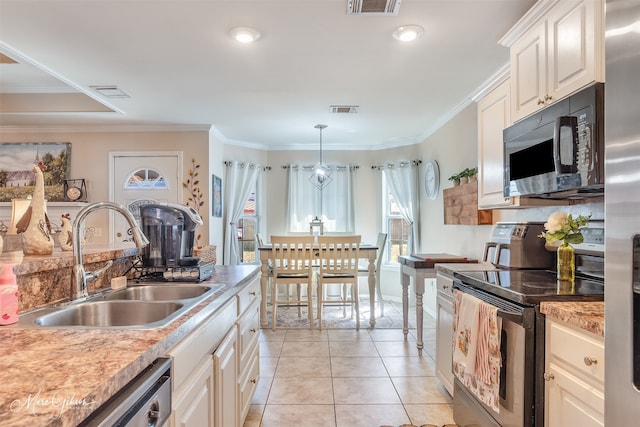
<point x="16" y="169"/>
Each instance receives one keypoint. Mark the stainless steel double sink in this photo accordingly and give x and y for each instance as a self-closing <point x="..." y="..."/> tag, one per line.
<point x="144" y="306"/>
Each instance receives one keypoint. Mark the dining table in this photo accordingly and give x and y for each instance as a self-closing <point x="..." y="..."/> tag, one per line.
<point x="367" y="252"/>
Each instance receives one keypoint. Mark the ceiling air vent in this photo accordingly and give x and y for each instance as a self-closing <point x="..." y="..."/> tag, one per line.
<point x="344" y="109"/>
<point x="367" y="7"/>
<point x="110" y="91"/>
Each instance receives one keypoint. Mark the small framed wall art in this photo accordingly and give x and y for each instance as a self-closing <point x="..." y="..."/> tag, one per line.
<point x="216" y="199"/>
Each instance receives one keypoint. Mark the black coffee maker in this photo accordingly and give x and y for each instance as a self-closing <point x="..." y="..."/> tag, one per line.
<point x="170" y="228"/>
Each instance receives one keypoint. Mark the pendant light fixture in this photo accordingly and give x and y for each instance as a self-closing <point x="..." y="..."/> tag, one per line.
<point x="321" y="175"/>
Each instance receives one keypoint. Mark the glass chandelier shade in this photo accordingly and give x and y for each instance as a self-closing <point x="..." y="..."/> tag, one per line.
<point x="321" y="175"/>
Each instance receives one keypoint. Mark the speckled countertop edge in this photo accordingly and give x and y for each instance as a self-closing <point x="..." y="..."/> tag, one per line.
<point x="584" y="315"/>
<point x="57" y="377"/>
<point x="450" y="268"/>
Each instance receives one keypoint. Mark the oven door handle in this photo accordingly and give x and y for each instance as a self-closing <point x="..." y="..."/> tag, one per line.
<point x="515" y="317"/>
<point x="506" y="310"/>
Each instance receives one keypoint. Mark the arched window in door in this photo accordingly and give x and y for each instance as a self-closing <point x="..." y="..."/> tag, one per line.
<point x="146" y="178"/>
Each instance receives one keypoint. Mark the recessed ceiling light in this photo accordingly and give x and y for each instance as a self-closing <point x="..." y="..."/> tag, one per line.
<point x="407" y="33"/>
<point x="244" y="34"/>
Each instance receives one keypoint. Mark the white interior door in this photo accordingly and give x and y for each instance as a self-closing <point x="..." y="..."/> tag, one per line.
<point x="139" y="178"/>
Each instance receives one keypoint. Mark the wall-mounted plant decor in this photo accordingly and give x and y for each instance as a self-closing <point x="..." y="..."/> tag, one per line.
<point x="467" y="175"/>
<point x="192" y="185"/>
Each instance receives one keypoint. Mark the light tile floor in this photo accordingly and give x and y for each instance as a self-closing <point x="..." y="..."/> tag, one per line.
<point x="348" y="378"/>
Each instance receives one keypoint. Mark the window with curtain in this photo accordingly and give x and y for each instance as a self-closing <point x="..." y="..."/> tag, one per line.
<point x="400" y="182"/>
<point x="333" y="204"/>
<point x="240" y="181"/>
<point x="397" y="227"/>
<point x="247" y="226"/>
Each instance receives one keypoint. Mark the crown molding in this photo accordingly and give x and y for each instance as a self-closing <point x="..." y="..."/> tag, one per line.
<point x="492" y="82"/>
<point x="105" y="128"/>
<point x="530" y="18"/>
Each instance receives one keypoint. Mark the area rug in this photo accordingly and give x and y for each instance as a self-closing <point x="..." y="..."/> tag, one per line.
<point x="333" y="317"/>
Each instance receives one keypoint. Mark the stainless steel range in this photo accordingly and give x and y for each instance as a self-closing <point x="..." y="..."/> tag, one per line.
<point x="517" y="293"/>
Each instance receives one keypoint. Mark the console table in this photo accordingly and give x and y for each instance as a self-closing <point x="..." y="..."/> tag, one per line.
<point x="420" y="267"/>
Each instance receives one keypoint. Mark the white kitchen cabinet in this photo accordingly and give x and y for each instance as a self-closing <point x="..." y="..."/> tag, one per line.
<point x="561" y="52"/>
<point x="574" y="376"/>
<point x="249" y="330"/>
<point x="216" y="368"/>
<point x="192" y="407"/>
<point x="494" y="114"/>
<point x="225" y="379"/>
<point x="444" y="330"/>
<point x="192" y="391"/>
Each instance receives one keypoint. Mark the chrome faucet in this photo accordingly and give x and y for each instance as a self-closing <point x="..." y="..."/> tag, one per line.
<point x="80" y="276"/>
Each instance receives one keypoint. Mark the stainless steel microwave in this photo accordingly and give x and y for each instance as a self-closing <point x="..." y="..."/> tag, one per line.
<point x="559" y="151"/>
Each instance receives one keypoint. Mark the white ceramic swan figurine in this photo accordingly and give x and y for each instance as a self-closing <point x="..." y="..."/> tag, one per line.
<point x="34" y="225"/>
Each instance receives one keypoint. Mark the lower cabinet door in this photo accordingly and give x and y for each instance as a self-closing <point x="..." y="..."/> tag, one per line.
<point x="571" y="401"/>
<point x="249" y="382"/>
<point x="225" y="374"/>
<point x="193" y="403"/>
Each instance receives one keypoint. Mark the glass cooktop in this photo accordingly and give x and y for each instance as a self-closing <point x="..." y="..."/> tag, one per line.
<point x="532" y="286"/>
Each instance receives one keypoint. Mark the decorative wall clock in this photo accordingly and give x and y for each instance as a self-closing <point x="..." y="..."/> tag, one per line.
<point x="75" y="190"/>
<point x="432" y="179"/>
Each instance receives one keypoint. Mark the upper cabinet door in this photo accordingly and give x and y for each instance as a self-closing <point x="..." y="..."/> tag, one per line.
<point x="493" y="117"/>
<point x="560" y="53"/>
<point x="575" y="46"/>
<point x="529" y="72"/>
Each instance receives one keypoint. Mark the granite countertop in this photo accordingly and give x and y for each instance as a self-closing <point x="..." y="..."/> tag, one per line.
<point x="57" y="377"/>
<point x="585" y="315"/>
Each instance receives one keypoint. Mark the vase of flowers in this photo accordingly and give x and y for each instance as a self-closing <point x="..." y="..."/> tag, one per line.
<point x="564" y="228"/>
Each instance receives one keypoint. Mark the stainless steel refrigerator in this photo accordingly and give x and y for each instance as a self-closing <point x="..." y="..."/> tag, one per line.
<point x="622" y="213"/>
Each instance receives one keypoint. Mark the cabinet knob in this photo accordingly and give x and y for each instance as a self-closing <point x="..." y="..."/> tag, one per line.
<point x="590" y="360"/>
<point x="253" y="381"/>
<point x="540" y="101"/>
<point x="252" y="293"/>
<point x="548" y="97"/>
<point x="253" y="330"/>
<point x="445" y="287"/>
<point x="548" y="377"/>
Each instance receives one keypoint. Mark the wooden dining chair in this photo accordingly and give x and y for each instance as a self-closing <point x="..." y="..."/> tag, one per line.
<point x="364" y="270"/>
<point x="339" y="264"/>
<point x="291" y="261"/>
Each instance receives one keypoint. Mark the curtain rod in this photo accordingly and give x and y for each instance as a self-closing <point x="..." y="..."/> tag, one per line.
<point x="310" y="167"/>
<point x="402" y="164"/>
<point x="242" y="164"/>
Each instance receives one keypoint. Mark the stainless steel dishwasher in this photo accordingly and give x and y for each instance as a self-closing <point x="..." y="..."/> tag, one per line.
<point x="145" y="401"/>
